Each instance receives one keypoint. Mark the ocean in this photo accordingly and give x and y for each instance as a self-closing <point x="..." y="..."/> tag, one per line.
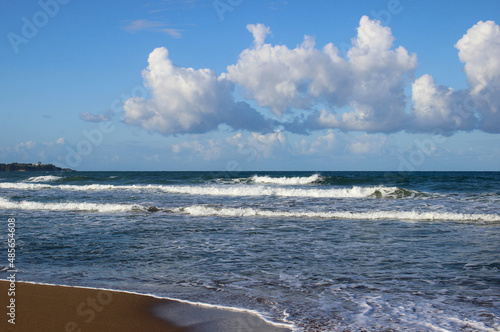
<point x="324" y="251"/>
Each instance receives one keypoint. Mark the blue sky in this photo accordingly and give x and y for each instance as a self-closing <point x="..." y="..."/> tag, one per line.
<point x="251" y="85"/>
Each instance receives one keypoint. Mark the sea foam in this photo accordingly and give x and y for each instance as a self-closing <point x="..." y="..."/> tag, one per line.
<point x="286" y="180"/>
<point x="43" y="178"/>
<point x="232" y="190"/>
<point x="69" y="206"/>
<point x="201" y="210"/>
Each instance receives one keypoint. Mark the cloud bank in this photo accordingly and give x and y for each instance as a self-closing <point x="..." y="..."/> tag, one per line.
<point x="310" y="89"/>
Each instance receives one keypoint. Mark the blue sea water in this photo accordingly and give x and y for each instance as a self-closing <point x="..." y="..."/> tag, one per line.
<point x="324" y="251"/>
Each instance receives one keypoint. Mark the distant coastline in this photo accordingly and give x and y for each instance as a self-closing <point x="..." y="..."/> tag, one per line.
<point x="20" y="167"/>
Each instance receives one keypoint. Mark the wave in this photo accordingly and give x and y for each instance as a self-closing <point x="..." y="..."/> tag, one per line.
<point x="202" y="210"/>
<point x="43" y="178"/>
<point x="42" y="186"/>
<point x="234" y="190"/>
<point x="265" y="179"/>
<point x="355" y="192"/>
<point x="25" y="186"/>
<point x="71" y="206"/>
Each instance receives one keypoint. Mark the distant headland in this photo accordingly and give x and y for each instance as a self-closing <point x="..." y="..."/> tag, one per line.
<point x="19" y="167"/>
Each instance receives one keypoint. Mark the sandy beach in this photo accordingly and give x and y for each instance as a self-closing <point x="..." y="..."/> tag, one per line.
<point x="73" y="309"/>
<point x="56" y="308"/>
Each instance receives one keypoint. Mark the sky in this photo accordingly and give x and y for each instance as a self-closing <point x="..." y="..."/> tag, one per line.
<point x="240" y="85"/>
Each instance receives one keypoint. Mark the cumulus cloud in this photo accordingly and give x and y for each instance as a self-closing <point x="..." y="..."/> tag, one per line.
<point x="379" y="75"/>
<point x="319" y="89"/>
<point x="443" y="109"/>
<point x="370" y="82"/>
<point x="479" y="49"/>
<point x="281" y="78"/>
<point x="185" y="100"/>
<point x="439" y="108"/>
<point x="259" y="32"/>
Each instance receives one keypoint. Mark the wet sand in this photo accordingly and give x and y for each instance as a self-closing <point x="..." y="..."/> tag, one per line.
<point x="72" y="309"/>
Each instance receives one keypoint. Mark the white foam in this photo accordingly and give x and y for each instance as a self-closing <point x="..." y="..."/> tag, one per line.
<point x="286" y="180"/>
<point x="227" y="190"/>
<point x="270" y="191"/>
<point x="44" y="178"/>
<point x="420" y="315"/>
<point x="24" y="186"/>
<point x="201" y="210"/>
<point x="90" y="187"/>
<point x="70" y="206"/>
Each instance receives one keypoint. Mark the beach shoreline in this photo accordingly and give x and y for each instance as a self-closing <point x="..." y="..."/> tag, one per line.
<point x="44" y="307"/>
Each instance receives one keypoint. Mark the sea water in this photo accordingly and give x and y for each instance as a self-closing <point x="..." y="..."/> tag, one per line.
<point x="324" y="251"/>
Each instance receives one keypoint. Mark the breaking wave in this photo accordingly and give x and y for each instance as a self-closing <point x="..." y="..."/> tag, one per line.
<point x="234" y="190"/>
<point x="202" y="210"/>
<point x="70" y="206"/>
<point x="43" y="178"/>
<point x="265" y="179"/>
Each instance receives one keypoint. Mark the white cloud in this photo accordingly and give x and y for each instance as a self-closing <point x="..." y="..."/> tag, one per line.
<point x="185" y="100"/>
<point x="367" y="144"/>
<point x="439" y="107"/>
<point x="479" y="49"/>
<point x="25" y="145"/>
<point x="258" y="145"/>
<point x="444" y="109"/>
<point x="139" y="25"/>
<point x="365" y="91"/>
<point x="147" y="25"/>
<point x="259" y="31"/>
<point x="371" y="81"/>
<point x="323" y="144"/>
<point x="175" y="33"/>
<point x="281" y="78"/>
<point x="210" y="149"/>
<point x="379" y="75"/>
<point x="89" y="117"/>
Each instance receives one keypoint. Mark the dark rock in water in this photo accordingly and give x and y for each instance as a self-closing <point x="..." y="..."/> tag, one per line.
<point x="19" y="167"/>
<point x="152" y="209"/>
